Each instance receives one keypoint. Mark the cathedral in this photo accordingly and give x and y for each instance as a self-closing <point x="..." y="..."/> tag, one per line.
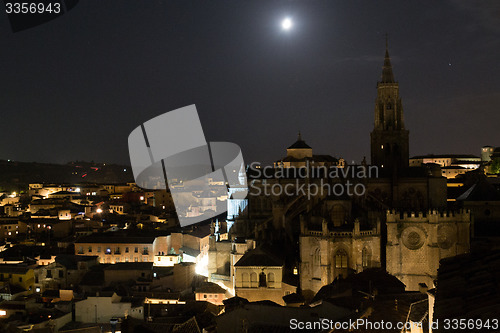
<point x="389" y="138"/>
<point x="398" y="222"/>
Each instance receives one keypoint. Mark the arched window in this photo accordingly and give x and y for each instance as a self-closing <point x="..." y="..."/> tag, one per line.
<point x="270" y="280"/>
<point x="262" y="280"/>
<point x="245" y="280"/>
<point x="316" y="266"/>
<point x="365" y="258"/>
<point x="341" y="263"/>
<point x="340" y="259"/>
<point x="253" y="280"/>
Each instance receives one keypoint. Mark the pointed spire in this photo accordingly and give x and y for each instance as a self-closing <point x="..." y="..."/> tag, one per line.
<point x="387" y="75"/>
<point x="299" y="138"/>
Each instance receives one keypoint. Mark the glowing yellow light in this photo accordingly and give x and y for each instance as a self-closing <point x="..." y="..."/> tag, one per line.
<point x="201" y="267"/>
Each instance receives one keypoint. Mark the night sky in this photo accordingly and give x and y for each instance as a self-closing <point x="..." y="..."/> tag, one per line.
<point x="75" y="87"/>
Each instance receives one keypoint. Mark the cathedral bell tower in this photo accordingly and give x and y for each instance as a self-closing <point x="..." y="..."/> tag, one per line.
<point x="389" y="138"/>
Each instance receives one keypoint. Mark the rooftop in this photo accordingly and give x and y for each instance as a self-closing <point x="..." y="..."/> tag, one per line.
<point x="462" y="156"/>
<point x="116" y="238"/>
<point x="299" y="144"/>
<point x="210" y="287"/>
<point x="259" y="257"/>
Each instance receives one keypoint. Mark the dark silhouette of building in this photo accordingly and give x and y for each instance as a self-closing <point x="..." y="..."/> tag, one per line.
<point x="389" y="138"/>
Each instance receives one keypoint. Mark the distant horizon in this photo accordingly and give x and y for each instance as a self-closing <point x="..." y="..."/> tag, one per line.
<point x="246" y="162"/>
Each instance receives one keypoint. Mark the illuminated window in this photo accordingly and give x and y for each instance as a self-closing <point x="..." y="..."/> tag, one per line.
<point x="3" y="313"/>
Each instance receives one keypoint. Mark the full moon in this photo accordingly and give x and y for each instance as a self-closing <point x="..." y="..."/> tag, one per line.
<point x="286" y="24"/>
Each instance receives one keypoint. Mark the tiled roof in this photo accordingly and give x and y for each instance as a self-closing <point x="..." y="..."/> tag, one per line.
<point x="482" y="190"/>
<point x="468" y="286"/>
<point x="259" y="257"/>
<point x="210" y="287"/>
<point x="200" y="231"/>
<point x="374" y="278"/>
<point x="190" y="326"/>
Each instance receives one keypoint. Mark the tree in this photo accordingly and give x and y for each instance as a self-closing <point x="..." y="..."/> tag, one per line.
<point x="495" y="166"/>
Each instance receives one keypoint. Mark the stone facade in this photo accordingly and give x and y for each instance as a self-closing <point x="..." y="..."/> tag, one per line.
<point x="328" y="254"/>
<point x="416" y="243"/>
